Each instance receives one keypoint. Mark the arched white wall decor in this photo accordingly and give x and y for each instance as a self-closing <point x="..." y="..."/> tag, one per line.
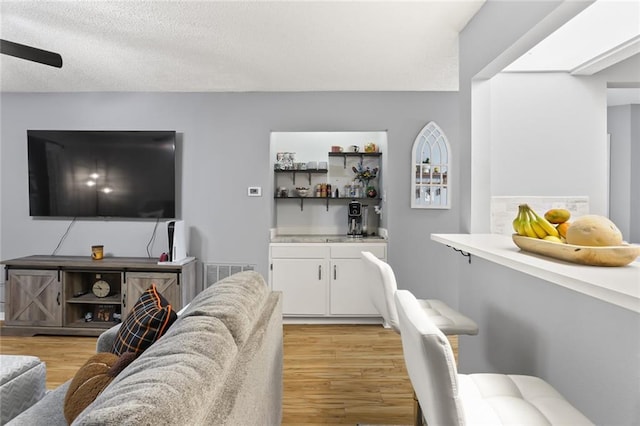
<point x="431" y="169"/>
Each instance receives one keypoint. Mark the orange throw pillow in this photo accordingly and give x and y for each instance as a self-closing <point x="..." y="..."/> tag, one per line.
<point x="91" y="379"/>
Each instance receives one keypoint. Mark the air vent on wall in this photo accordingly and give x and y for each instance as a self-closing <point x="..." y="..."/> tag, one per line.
<point x="214" y="272"/>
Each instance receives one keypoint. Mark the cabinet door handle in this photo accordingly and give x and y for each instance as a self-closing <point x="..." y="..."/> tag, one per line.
<point x="335" y="272"/>
<point x="58" y="299"/>
<point x="319" y="272"/>
<point x="124" y="300"/>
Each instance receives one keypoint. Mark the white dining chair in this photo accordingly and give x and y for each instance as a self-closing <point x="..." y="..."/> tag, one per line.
<point x="447" y="398"/>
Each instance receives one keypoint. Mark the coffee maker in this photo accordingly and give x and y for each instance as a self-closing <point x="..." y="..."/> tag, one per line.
<point x="354" y="223"/>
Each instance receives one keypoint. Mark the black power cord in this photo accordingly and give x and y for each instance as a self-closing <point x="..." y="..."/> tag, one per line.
<point x="153" y="237"/>
<point x="64" y="236"/>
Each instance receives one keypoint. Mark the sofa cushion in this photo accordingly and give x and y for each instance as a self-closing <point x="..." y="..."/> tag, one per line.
<point x="236" y="300"/>
<point x="172" y="381"/>
<point x="91" y="379"/>
<point x="46" y="412"/>
<point x="22" y="384"/>
<point x="149" y="319"/>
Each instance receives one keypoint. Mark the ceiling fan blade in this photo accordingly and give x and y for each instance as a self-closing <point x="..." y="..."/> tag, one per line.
<point x="30" y="53"/>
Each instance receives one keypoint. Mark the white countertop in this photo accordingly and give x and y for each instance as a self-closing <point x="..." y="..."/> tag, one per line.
<point x="617" y="285"/>
<point x="325" y="239"/>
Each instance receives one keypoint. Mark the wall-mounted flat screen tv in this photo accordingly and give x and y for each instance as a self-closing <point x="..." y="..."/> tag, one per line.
<point x="118" y="174"/>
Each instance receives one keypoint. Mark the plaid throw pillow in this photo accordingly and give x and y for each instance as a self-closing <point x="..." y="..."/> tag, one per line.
<point x="150" y="318"/>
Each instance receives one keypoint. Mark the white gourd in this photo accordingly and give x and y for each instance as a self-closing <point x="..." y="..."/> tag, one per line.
<point x="594" y="230"/>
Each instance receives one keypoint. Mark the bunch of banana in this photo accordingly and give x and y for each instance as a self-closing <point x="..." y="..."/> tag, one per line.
<point x="529" y="224"/>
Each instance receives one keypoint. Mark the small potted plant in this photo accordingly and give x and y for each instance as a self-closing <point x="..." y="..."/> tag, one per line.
<point x="365" y="175"/>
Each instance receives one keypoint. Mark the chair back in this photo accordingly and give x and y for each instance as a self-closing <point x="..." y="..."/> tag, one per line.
<point x="382" y="288"/>
<point x="430" y="363"/>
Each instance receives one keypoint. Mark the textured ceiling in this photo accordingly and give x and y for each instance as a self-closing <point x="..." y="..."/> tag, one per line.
<point x="236" y="45"/>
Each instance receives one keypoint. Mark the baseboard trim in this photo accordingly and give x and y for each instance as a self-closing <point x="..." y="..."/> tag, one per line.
<point x="331" y="320"/>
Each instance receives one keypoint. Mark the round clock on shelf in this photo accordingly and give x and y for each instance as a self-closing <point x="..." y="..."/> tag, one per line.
<point x="101" y="288"/>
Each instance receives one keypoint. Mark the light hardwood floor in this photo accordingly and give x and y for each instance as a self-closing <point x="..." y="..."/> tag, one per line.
<point x="333" y="374"/>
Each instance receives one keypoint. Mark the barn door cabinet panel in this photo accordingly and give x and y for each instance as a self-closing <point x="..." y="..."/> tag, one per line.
<point x="34" y="298"/>
<point x="138" y="282"/>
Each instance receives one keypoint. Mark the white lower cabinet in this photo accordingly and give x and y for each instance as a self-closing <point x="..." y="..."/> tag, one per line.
<point x="349" y="294"/>
<point x="323" y="280"/>
<point x="303" y="283"/>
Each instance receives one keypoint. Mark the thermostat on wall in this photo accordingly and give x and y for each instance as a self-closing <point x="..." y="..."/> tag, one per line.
<point x="254" y="191"/>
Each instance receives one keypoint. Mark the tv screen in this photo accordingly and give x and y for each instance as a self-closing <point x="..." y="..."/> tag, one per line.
<point x="120" y="174"/>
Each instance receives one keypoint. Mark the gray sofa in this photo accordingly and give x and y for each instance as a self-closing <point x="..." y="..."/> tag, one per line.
<point x="220" y="363"/>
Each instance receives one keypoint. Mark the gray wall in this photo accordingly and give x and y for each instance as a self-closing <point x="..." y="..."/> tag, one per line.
<point x="554" y="141"/>
<point x="634" y="232"/>
<point x="491" y="40"/>
<point x="619" y="129"/>
<point x="224" y="149"/>
<point x="585" y="348"/>
<point x="528" y="325"/>
<point x="623" y="124"/>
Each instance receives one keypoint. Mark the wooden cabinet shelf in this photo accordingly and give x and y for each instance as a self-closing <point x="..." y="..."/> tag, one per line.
<point x="53" y="294"/>
<point x="312" y="172"/>
<point x="327" y="199"/>
<point x="92" y="324"/>
<point x="362" y="155"/>
<point x="355" y="154"/>
<point x="308" y="172"/>
<point x="90" y="298"/>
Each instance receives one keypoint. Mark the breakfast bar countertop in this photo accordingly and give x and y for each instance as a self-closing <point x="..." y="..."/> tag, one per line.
<point x="619" y="285"/>
<point x="289" y="239"/>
